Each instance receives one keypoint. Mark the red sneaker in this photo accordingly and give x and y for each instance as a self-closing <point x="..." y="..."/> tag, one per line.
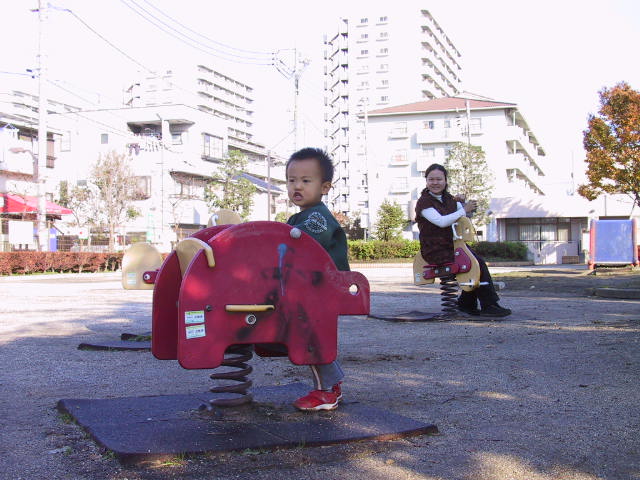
<point x="320" y="400"/>
<point x="337" y="389"/>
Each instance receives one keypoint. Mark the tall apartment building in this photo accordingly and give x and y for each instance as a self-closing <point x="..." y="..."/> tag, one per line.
<point x="396" y="55"/>
<point x="206" y="89"/>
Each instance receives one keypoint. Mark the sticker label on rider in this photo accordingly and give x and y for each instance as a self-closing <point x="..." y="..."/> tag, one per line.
<point x="195" y="331"/>
<point x="194" y="316"/>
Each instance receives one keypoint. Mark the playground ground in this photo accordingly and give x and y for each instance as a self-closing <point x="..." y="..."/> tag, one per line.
<point x="550" y="393"/>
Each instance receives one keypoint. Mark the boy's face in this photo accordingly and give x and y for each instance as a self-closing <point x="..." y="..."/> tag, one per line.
<point x="304" y="183"/>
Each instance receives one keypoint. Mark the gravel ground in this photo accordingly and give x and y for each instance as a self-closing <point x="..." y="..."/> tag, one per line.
<point x="551" y="393"/>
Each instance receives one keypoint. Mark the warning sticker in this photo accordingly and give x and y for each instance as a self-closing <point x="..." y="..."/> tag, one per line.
<point x="194" y="316"/>
<point x="131" y="278"/>
<point x="195" y="331"/>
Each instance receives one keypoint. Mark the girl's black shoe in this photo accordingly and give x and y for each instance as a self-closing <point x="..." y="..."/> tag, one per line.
<point x="494" y="311"/>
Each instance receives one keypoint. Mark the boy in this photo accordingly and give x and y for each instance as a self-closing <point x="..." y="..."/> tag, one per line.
<point x="309" y="174"/>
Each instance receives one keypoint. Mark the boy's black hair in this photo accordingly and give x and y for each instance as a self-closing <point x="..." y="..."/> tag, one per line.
<point x="310" y="153"/>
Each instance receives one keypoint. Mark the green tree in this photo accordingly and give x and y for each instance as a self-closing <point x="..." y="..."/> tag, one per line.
<point x="612" y="143"/>
<point x="228" y="189"/>
<point x="282" y="217"/>
<point x="391" y="220"/>
<point x="113" y="193"/>
<point x="469" y="175"/>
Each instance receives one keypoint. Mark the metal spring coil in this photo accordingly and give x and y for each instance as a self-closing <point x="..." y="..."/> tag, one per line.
<point x="235" y="357"/>
<point x="449" y="294"/>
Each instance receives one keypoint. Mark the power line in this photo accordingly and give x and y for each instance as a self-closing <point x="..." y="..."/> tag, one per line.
<point x="194" y="43"/>
<point x="125" y="54"/>
<point x="204" y="36"/>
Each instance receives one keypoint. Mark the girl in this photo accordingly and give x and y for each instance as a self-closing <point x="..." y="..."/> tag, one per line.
<point x="436" y="211"/>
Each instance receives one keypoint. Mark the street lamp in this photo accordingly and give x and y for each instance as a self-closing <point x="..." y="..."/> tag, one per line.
<point x="43" y="233"/>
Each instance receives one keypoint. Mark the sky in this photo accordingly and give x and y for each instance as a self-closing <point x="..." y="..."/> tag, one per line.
<point x="551" y="57"/>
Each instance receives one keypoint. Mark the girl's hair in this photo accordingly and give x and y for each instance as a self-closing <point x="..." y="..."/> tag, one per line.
<point x="437" y="166"/>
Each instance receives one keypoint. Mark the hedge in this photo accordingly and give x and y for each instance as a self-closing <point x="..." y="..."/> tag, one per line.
<point x="40" y="262"/>
<point x="378" y="249"/>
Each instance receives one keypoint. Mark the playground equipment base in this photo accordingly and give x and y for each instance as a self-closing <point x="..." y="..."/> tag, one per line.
<point x="417" y="316"/>
<point x="128" y="341"/>
<point x="152" y="429"/>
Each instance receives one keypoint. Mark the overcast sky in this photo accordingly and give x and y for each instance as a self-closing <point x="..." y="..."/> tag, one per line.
<point x="549" y="57"/>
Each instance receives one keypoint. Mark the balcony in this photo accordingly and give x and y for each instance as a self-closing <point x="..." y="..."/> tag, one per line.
<point x="441" y="135"/>
<point x="517" y="134"/>
<point x="522" y="163"/>
<point x="399" y="160"/>
<point x="399" y="132"/>
<point x="400" y="185"/>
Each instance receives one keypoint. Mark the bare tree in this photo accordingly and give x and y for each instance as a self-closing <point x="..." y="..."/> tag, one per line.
<point x="115" y="192"/>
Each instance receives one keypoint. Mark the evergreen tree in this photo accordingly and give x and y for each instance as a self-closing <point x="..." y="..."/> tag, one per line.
<point x="391" y="220"/>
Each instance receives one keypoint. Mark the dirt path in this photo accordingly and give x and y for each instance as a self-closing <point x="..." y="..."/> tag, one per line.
<point x="548" y="394"/>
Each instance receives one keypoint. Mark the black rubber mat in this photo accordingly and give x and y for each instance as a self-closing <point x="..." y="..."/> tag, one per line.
<point x="154" y="428"/>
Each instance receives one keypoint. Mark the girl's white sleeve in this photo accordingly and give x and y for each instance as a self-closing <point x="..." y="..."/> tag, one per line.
<point x="442" y="221"/>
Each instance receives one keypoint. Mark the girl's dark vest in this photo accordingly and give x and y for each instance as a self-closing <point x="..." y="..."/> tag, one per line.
<point x="436" y="243"/>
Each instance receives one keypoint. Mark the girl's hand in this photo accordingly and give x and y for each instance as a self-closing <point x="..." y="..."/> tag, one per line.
<point x="461" y="197"/>
<point x="470" y="206"/>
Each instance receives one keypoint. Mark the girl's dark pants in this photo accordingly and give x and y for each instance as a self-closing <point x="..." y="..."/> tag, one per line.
<point x="485" y="294"/>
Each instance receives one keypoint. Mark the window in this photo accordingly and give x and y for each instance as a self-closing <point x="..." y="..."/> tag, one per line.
<point x="384" y="51"/>
<point x="363" y="69"/>
<point x="384" y="67"/>
<point x="189" y="187"/>
<point x="65" y="141"/>
<point x="364" y="52"/>
<point x="447" y="124"/>
<point x="212" y="146"/>
<point x="384" y="35"/>
<point x="364" y="36"/>
<point x="382" y="19"/>
<point x="429" y="125"/>
<point x="364" y="21"/>
<point x="400" y="128"/>
<point x="399" y="157"/>
<point x="104" y="138"/>
<point x="142" y="188"/>
<point x="384" y="98"/>
<point x="476" y="125"/>
<point x="176" y="138"/>
<point x="384" y="83"/>
<point x="538" y="229"/>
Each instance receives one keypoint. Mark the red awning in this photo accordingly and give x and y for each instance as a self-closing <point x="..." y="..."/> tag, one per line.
<point x="11" y="203"/>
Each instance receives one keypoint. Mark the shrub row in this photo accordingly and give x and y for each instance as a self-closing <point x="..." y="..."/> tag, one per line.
<point x="39" y="262"/>
<point x="378" y="249"/>
<point x="501" y="250"/>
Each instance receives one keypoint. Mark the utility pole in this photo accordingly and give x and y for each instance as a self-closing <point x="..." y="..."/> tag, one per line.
<point x="298" y="68"/>
<point x="468" y="107"/>
<point x="269" y="185"/>
<point x="365" y="103"/>
<point x="40" y="175"/>
<point x="296" y="73"/>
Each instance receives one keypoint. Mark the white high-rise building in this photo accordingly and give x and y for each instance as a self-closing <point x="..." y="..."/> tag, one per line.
<point x="205" y="88"/>
<point x="395" y="55"/>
